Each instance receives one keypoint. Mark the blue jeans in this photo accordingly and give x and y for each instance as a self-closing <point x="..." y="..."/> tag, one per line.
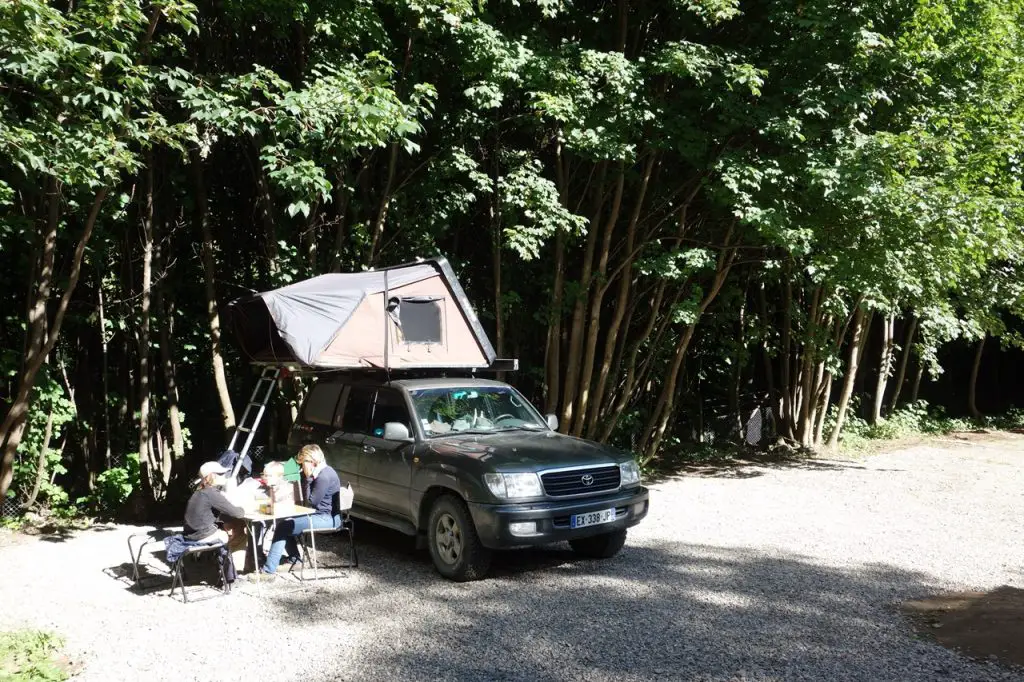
<point x="289" y="529"/>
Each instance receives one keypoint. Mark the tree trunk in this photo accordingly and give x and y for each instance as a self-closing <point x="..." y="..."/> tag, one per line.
<point x="165" y="310"/>
<point x="823" y="409"/>
<point x="382" y="207"/>
<point x="619" y="311"/>
<point x="13" y="427"/>
<point x="499" y="307"/>
<point x="901" y="373"/>
<point x="385" y="200"/>
<point x="805" y="423"/>
<point x="265" y="207"/>
<point x="884" y="366"/>
<point x="593" y="328"/>
<point x="786" y="403"/>
<point x="769" y="365"/>
<point x="861" y="325"/>
<point x="41" y="461"/>
<point x="553" y="347"/>
<point x="972" y="389"/>
<point x="146" y="454"/>
<point x="658" y="423"/>
<point x="633" y="377"/>
<point x="572" y="373"/>
<point x="552" y="361"/>
<point x="220" y="379"/>
<point x="918" y="375"/>
<point x="737" y="370"/>
<point x="340" y="201"/>
<point x="104" y="367"/>
<point x="629" y="383"/>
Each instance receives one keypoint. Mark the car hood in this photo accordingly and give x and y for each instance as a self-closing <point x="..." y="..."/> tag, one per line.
<point x="525" y="450"/>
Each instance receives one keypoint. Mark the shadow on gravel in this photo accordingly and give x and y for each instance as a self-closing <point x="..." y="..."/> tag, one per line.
<point x="54" y="533"/>
<point x="739" y="463"/>
<point x="752" y="468"/>
<point x="676" y="611"/>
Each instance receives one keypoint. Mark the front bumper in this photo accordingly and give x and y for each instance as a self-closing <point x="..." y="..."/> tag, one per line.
<point x="553" y="519"/>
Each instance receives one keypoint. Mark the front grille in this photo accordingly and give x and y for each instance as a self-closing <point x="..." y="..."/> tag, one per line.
<point x="562" y="483"/>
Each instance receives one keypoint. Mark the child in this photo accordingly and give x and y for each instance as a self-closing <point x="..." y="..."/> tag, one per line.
<point x="280" y="491"/>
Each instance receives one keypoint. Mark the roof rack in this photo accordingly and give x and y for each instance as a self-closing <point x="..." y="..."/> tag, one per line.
<point x="297" y="369"/>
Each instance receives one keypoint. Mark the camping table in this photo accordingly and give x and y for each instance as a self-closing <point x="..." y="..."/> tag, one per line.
<point x="253" y="517"/>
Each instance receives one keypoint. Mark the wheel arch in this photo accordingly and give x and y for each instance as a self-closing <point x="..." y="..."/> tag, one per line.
<point x="430" y="495"/>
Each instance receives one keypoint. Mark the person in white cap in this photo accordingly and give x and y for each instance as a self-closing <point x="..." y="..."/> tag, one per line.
<point x="206" y="504"/>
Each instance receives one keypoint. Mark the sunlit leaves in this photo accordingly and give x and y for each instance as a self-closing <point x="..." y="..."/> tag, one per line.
<point x="80" y="101"/>
<point x="530" y="202"/>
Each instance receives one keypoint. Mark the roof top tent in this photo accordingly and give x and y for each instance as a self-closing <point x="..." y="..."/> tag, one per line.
<point x="410" y="319"/>
<point x="413" y="316"/>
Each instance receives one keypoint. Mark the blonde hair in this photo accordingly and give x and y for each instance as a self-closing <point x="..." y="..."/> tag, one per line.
<point x="311" y="452"/>
<point x="273" y="469"/>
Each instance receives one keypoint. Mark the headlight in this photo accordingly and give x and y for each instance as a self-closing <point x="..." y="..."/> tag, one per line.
<point x="510" y="486"/>
<point x="629" y="473"/>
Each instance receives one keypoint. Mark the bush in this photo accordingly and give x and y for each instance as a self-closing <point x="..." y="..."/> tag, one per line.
<point x="114" y="486"/>
<point x="920" y="419"/>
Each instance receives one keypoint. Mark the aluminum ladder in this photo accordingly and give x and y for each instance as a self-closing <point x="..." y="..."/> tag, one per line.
<point x="253" y="414"/>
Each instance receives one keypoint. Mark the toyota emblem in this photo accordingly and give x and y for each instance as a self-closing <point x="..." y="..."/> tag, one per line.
<point x="587" y="480"/>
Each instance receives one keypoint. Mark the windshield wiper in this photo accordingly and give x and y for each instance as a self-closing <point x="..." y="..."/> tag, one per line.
<point x="522" y="427"/>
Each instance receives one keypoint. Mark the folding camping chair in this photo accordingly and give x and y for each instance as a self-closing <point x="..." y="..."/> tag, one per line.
<point x="343" y="500"/>
<point x="224" y="561"/>
<point x="177" y="573"/>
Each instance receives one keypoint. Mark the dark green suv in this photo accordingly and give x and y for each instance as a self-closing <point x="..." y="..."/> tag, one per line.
<point x="469" y="466"/>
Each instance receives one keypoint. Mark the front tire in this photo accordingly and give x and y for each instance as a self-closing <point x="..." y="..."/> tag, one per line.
<point x="603" y="546"/>
<point x="454" y="544"/>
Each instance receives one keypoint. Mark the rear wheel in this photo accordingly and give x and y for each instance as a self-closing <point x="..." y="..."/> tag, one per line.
<point x="454" y="544"/>
<point x="603" y="546"/>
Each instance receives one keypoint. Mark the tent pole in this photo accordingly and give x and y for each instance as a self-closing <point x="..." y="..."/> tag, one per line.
<point x="387" y="327"/>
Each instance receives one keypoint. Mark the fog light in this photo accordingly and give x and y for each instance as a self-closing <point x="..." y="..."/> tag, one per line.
<point x="639" y="507"/>
<point x="523" y="528"/>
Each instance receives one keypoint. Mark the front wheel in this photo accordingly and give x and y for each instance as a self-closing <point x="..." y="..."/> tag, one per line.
<point x="603" y="546"/>
<point x="454" y="544"/>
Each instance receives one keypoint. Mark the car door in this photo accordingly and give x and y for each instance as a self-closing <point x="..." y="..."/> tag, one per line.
<point x="344" y="446"/>
<point x="385" y="467"/>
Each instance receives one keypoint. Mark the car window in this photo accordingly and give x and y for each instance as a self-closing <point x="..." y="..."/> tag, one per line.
<point x="355" y="418"/>
<point x="339" y="414"/>
<point x="389" y="407"/>
<point x="321" y="403"/>
<point x="473" y="408"/>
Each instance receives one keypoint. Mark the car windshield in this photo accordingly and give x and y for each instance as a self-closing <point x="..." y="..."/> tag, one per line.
<point x="477" y="409"/>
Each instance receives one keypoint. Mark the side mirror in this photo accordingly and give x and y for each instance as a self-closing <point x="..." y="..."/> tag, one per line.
<point x="552" y="422"/>
<point x="396" y="431"/>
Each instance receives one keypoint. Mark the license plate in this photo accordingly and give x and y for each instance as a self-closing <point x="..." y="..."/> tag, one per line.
<point x="592" y="518"/>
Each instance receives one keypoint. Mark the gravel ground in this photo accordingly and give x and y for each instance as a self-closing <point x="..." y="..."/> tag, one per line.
<point x="754" y="573"/>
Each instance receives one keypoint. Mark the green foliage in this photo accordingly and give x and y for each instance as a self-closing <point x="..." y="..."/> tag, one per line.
<point x="91" y="102"/>
<point x="50" y="399"/>
<point x="114" y="486"/>
<point x="531" y="200"/>
<point x="843" y="156"/>
<point x="920" y="419"/>
<point x="29" y="655"/>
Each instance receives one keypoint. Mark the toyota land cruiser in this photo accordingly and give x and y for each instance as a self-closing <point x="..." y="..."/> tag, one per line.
<point x="469" y="466"/>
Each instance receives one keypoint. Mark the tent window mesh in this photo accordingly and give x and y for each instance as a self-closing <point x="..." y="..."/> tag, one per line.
<point x="421" y="320"/>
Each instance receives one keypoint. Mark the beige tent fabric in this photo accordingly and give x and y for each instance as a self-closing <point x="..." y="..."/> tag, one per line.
<point x="361" y="340"/>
